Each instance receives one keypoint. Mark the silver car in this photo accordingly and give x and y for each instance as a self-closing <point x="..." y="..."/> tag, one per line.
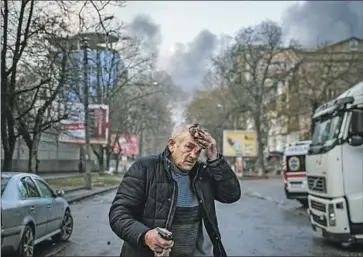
<point x="31" y="212"/>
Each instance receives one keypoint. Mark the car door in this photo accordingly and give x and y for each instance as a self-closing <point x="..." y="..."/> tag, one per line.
<point x="55" y="208"/>
<point x="35" y="206"/>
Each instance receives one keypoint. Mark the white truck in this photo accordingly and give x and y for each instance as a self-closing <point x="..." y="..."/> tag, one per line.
<point x="294" y="171"/>
<point x="335" y="169"/>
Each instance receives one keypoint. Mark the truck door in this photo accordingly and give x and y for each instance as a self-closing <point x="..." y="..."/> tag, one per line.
<point x="353" y="170"/>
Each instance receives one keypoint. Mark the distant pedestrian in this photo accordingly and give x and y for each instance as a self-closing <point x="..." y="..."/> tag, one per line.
<point x="174" y="192"/>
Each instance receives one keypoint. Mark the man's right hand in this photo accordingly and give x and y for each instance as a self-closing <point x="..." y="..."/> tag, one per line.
<point x="156" y="243"/>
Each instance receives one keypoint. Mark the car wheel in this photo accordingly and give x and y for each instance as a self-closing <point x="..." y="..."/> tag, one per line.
<point x="26" y="246"/>
<point x="66" y="228"/>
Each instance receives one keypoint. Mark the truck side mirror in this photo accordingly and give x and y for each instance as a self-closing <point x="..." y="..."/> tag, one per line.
<point x="355" y="140"/>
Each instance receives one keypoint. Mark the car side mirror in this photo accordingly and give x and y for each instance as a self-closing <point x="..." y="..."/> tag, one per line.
<point x="59" y="193"/>
<point x="355" y="140"/>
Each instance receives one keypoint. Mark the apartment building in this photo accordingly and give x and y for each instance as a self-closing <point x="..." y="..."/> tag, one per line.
<point x="322" y="74"/>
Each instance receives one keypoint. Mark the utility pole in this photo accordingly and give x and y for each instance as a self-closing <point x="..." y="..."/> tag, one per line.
<point x="88" y="176"/>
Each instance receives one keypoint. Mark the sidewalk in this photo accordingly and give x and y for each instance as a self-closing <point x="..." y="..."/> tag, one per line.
<point x="49" y="176"/>
<point x="75" y="194"/>
<point x="82" y="194"/>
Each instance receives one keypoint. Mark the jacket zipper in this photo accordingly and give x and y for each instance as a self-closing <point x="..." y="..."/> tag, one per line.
<point x="168" y="219"/>
<point x="206" y="213"/>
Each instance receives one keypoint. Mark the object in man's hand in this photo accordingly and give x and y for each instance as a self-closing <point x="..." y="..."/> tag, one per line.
<point x="164" y="253"/>
<point x="194" y="131"/>
<point x="167" y="235"/>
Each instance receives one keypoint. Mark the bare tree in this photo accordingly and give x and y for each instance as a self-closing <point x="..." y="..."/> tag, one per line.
<point x="31" y="30"/>
<point x="215" y="110"/>
<point x="324" y="73"/>
<point x="40" y="109"/>
<point x="116" y="91"/>
<point x="25" y="26"/>
<point x="251" y="70"/>
<point x="145" y="108"/>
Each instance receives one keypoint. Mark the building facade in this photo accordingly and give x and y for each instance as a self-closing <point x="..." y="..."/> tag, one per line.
<point x="322" y="75"/>
<point x="104" y="68"/>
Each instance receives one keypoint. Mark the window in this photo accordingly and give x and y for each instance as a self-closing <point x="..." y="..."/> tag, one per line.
<point x="44" y="189"/>
<point x="22" y="189"/>
<point x="356" y="125"/>
<point x="31" y="189"/>
<point x="326" y="131"/>
<point x="353" y="45"/>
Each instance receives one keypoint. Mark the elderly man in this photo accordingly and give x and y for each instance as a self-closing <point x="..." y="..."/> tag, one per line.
<point x="174" y="192"/>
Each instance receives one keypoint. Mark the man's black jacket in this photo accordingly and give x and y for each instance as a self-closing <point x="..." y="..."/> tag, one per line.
<point x="146" y="198"/>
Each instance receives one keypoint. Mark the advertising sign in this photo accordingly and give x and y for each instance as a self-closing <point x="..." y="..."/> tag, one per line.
<point x="72" y="129"/>
<point x="127" y="144"/>
<point x="239" y="143"/>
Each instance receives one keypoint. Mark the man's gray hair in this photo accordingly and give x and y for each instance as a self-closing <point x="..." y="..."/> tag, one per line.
<point x="179" y="129"/>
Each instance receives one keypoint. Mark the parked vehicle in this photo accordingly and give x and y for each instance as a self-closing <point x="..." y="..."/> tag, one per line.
<point x="294" y="172"/>
<point x="335" y="169"/>
<point x="31" y="212"/>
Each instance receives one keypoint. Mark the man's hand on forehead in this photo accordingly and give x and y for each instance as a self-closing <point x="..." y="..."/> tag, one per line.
<point x="200" y="135"/>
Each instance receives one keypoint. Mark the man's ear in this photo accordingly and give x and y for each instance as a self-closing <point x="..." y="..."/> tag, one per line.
<point x="171" y="145"/>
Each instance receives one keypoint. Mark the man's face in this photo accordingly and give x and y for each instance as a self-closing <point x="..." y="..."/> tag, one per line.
<point x="184" y="151"/>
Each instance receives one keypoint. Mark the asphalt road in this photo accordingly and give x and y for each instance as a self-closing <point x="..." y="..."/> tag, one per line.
<point x="261" y="223"/>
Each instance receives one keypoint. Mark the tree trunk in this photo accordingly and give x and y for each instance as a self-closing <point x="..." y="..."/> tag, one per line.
<point x="100" y="160"/>
<point x="260" y="158"/>
<point x="8" y="142"/>
<point x="98" y="151"/>
<point x="117" y="162"/>
<point x="108" y="159"/>
<point x="8" y="160"/>
<point x="33" y="162"/>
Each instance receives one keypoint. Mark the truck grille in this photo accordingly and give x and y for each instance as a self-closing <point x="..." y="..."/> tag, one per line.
<point x="318" y="206"/>
<point x="317" y="184"/>
<point x="320" y="219"/>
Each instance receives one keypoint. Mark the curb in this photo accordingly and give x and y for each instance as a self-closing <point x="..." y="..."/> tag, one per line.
<point x="74" y="189"/>
<point x="62" y="177"/>
<point x="82" y="197"/>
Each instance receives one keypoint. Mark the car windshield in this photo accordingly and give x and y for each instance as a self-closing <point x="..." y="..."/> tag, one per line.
<point x="326" y="131"/>
<point x="4" y="182"/>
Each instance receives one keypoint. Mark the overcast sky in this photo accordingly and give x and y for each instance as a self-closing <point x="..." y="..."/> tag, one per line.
<point x="186" y="33"/>
<point x="182" y="21"/>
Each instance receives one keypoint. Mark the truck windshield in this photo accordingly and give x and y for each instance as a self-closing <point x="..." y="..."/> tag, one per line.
<point x="326" y="131"/>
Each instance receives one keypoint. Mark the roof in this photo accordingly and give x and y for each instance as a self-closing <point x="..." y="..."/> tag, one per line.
<point x="341" y="42"/>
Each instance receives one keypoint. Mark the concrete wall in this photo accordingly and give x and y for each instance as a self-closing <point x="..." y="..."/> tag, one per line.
<point x="53" y="156"/>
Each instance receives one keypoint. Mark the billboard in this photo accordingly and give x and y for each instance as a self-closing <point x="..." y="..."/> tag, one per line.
<point x="127" y="144"/>
<point x="237" y="143"/>
<point x="72" y="129"/>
